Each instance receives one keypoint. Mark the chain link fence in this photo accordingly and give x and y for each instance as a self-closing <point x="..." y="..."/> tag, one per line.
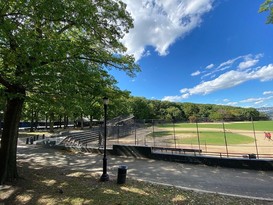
<point x="227" y="138"/>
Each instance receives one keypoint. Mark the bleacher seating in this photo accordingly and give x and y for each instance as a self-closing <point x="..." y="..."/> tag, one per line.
<point x="81" y="138"/>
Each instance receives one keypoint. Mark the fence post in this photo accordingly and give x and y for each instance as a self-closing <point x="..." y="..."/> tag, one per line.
<point x="153" y="131"/>
<point x="174" y="138"/>
<point x="198" y="136"/>
<point x="225" y="138"/>
<point x="118" y="134"/>
<point x="255" y="139"/>
<point x="135" y="132"/>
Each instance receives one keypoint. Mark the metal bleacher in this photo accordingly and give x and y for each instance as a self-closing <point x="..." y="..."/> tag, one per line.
<point x="81" y="138"/>
<point x="85" y="138"/>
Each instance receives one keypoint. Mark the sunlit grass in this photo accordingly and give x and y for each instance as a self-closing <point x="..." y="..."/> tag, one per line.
<point x="216" y="138"/>
<point x="205" y="137"/>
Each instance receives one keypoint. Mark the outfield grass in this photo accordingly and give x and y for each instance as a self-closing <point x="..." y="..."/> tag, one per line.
<point x="214" y="138"/>
<point x="205" y="137"/>
<point x="258" y="125"/>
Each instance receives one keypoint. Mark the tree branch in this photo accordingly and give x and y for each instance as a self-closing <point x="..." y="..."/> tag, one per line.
<point x="5" y="83"/>
<point x="66" y="27"/>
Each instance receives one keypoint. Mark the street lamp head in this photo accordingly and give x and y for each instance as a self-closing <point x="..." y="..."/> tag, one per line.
<point x="105" y="101"/>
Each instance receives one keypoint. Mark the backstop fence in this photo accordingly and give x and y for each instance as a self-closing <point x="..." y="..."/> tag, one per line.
<point x="251" y="139"/>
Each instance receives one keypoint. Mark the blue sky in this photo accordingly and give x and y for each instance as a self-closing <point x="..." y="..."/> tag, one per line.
<point x="201" y="51"/>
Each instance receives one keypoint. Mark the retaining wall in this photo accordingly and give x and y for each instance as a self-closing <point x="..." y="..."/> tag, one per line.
<point x="146" y="152"/>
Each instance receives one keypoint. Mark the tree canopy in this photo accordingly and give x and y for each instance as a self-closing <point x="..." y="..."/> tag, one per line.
<point x="267" y="6"/>
<point x="53" y="53"/>
<point x="143" y="108"/>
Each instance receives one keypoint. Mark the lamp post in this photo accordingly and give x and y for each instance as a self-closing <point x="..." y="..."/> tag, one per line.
<point x="1" y="115"/>
<point x="105" y="177"/>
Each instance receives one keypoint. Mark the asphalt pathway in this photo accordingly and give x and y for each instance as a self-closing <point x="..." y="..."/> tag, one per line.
<point x="239" y="182"/>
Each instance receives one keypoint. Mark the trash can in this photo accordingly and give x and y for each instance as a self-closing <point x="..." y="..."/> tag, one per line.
<point x="122" y="170"/>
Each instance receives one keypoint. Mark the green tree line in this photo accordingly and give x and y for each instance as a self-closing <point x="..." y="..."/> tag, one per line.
<point x="66" y="110"/>
<point x="155" y="109"/>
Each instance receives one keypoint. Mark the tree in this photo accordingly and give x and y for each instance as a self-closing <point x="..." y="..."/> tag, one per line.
<point x="191" y="111"/>
<point x="44" y="43"/>
<point x="267" y="6"/>
<point x="140" y="108"/>
<point x="173" y="113"/>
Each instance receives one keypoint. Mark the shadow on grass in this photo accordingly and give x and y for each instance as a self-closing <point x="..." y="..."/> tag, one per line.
<point x="55" y="185"/>
<point x="59" y="177"/>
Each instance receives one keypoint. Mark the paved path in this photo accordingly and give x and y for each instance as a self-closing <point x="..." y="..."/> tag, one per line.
<point x="249" y="183"/>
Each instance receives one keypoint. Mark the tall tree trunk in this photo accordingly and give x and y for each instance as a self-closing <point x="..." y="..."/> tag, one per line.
<point x="81" y="121"/>
<point x="51" y="122"/>
<point x="60" y="121"/>
<point x="46" y="122"/>
<point x="91" y="121"/>
<point x="8" y="150"/>
<point x="32" y="121"/>
<point x="36" y="119"/>
<point x="64" y="121"/>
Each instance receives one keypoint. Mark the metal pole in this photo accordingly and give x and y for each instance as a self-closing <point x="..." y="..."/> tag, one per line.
<point x="105" y="177"/>
<point x="174" y="138"/>
<point x="118" y="134"/>
<point x="135" y="132"/>
<point x="144" y="136"/>
<point x="255" y="139"/>
<point x="198" y="136"/>
<point x="1" y="116"/>
<point x="225" y="138"/>
<point x="153" y="132"/>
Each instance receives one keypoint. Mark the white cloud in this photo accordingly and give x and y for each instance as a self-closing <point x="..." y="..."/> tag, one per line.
<point x="256" y="100"/>
<point x="251" y="100"/>
<point x="232" y="103"/>
<point x="265" y="73"/>
<point x="229" y="62"/>
<point x="240" y="63"/>
<point x="158" y="23"/>
<point x="226" y="80"/>
<point x="247" y="64"/>
<point x="249" y="61"/>
<point x="267" y="92"/>
<point x="229" y="79"/>
<point x="196" y="73"/>
<point x="172" y="98"/>
<point x="210" y="66"/>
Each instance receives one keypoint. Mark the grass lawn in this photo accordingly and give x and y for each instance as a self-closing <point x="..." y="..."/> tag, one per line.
<point x="216" y="138"/>
<point x="206" y="137"/>
<point x="52" y="186"/>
